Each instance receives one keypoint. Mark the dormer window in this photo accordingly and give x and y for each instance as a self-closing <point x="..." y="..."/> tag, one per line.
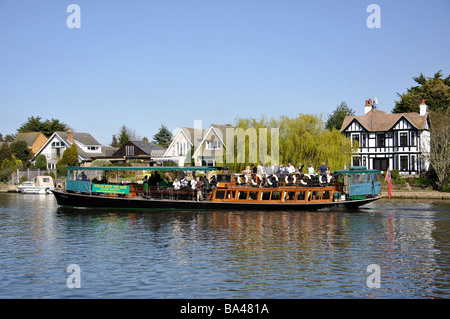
<point x="58" y="144"/>
<point x="92" y="148"/>
<point x="213" y="145"/>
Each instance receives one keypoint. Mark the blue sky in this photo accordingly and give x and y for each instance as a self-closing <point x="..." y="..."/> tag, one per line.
<point x="143" y="63"/>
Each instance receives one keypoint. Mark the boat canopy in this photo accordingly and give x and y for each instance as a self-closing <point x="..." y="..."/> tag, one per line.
<point x="78" y="181"/>
<point x="360" y="181"/>
<point x="356" y="170"/>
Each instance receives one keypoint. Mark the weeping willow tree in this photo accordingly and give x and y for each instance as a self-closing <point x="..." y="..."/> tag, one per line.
<point x="302" y="139"/>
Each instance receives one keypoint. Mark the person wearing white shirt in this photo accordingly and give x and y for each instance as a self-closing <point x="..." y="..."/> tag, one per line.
<point x="310" y="169"/>
<point x="290" y="168"/>
<point x="176" y="184"/>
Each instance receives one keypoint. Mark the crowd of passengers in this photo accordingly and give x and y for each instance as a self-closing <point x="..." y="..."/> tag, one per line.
<point x="267" y="171"/>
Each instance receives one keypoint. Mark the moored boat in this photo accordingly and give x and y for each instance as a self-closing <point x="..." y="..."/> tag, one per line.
<point x="91" y="187"/>
<point x="39" y="185"/>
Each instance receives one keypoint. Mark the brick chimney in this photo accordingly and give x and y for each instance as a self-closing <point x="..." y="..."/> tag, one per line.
<point x="368" y="107"/>
<point x="423" y="108"/>
<point x="70" y="136"/>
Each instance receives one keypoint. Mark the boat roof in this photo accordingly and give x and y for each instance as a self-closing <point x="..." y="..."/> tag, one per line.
<point x="356" y="170"/>
<point x="144" y="168"/>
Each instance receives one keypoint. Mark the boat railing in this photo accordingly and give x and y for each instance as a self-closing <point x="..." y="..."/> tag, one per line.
<point x="282" y="179"/>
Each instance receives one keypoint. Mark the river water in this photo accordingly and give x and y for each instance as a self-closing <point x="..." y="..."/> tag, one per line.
<point x="223" y="254"/>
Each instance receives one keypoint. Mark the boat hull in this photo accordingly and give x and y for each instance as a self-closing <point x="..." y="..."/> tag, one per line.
<point x="95" y="201"/>
<point x="35" y="190"/>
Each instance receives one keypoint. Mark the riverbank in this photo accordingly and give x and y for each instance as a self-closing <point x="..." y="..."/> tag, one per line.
<point x="417" y="194"/>
<point x="8" y="188"/>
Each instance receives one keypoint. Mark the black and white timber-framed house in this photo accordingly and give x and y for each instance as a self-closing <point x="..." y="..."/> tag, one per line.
<point x="397" y="141"/>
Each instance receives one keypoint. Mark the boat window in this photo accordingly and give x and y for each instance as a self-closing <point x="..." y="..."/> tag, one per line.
<point x="358" y="179"/>
<point x="265" y="195"/>
<point x="253" y="196"/>
<point x="290" y="196"/>
<point x="230" y="194"/>
<point x="376" y="177"/>
<point x="276" y="196"/>
<point x="326" y="195"/>
<point x="220" y="194"/>
<point x="222" y="178"/>
<point x="316" y="195"/>
<point x="301" y="195"/>
<point x="242" y="195"/>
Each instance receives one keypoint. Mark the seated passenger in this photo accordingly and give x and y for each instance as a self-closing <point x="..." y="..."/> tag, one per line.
<point x="176" y="184"/>
<point x="184" y="182"/>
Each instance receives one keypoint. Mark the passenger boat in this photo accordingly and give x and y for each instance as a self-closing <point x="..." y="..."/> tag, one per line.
<point x="92" y="187"/>
<point x="39" y="185"/>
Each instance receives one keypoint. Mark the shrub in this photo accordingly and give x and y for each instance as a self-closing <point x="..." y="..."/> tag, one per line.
<point x="41" y="162"/>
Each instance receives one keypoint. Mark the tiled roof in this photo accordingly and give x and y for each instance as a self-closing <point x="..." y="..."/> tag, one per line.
<point x="149" y="148"/>
<point x="29" y="138"/>
<point x="379" y="121"/>
<point x="83" y="138"/>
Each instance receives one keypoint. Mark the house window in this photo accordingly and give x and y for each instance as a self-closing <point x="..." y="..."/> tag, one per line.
<point x="129" y="150"/>
<point x="380" y="140"/>
<point x="208" y="162"/>
<point x="58" y="144"/>
<point x="364" y="140"/>
<point x="181" y="148"/>
<point x="356" y="161"/>
<point x="212" y="145"/>
<point x="403" y="163"/>
<point x="403" y="139"/>
<point x="92" y="148"/>
<point x="355" y="138"/>
<point x="380" y="163"/>
<point x="413" y="138"/>
<point x="413" y="163"/>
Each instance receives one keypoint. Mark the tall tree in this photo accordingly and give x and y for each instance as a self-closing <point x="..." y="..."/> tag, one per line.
<point x="5" y="152"/>
<point x="435" y="90"/>
<point x="114" y="141"/>
<point x="125" y="134"/>
<point x="302" y="139"/>
<point x="21" y="151"/>
<point x="336" y="118"/>
<point x="439" y="155"/>
<point x="48" y="127"/>
<point x="9" y="138"/>
<point x="163" y="137"/>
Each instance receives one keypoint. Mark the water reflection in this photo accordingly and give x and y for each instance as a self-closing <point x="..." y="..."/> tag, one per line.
<point x="223" y="254"/>
<point x="272" y="254"/>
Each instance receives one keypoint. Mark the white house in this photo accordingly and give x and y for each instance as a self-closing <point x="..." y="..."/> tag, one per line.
<point x="397" y="141"/>
<point x="88" y="147"/>
<point x="197" y="145"/>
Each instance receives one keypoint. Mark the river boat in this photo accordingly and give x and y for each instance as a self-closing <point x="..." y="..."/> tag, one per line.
<point x="39" y="185"/>
<point x="93" y="187"/>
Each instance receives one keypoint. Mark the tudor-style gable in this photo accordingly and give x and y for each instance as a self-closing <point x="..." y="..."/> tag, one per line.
<point x="397" y="141"/>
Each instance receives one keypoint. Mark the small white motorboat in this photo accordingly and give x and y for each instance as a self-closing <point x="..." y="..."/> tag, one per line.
<point x="39" y="185"/>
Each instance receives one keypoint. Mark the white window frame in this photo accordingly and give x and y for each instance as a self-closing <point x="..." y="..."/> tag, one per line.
<point x="400" y="162"/>
<point x="209" y="145"/>
<point x="181" y="148"/>
<point x="359" y="138"/>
